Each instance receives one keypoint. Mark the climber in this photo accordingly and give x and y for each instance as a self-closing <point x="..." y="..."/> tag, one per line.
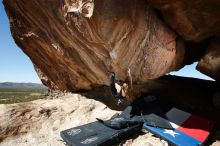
<point x="118" y="91"/>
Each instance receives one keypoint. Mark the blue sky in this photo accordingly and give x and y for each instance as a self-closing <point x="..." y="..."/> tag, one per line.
<point x="190" y="71"/>
<point x="15" y="66"/>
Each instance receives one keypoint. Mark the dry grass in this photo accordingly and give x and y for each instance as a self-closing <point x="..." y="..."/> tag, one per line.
<point x="15" y="95"/>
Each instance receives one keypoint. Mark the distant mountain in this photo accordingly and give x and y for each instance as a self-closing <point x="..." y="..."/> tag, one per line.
<point x="21" y="85"/>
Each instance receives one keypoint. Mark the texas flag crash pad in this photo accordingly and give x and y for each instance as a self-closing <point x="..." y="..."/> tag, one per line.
<point x="189" y="129"/>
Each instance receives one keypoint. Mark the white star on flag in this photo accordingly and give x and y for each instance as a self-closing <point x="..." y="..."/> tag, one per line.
<point x="171" y="132"/>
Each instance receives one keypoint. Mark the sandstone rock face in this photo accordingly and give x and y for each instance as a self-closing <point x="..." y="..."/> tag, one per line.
<point x="193" y="20"/>
<point x="75" y="44"/>
<point x="210" y="63"/>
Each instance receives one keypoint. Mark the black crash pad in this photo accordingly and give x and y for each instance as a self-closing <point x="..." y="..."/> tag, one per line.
<point x="97" y="134"/>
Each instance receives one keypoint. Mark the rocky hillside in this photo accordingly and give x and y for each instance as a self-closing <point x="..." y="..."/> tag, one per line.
<point x="20" y="85"/>
<point x="40" y="122"/>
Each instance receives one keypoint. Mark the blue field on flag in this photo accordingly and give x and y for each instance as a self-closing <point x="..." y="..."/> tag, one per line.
<point x="175" y="137"/>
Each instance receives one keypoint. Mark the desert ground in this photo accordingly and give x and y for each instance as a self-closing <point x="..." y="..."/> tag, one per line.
<point x="39" y="122"/>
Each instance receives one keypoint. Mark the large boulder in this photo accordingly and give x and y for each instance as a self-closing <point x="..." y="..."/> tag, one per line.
<point x="75" y="44"/>
<point x="210" y="62"/>
<point x="194" y="20"/>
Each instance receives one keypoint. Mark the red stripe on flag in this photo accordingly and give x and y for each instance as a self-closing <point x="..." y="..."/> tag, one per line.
<point x="197" y="127"/>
